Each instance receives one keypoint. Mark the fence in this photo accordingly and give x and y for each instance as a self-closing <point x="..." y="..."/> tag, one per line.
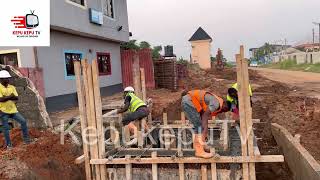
<point x="145" y="61"/>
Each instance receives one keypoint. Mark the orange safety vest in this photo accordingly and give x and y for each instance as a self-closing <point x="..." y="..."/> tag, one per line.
<point x="197" y="98"/>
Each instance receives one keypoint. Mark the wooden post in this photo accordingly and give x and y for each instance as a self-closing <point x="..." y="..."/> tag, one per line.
<point x="82" y="111"/>
<point x="248" y="115"/>
<point x="154" y="167"/>
<point x="166" y="132"/>
<point x="128" y="169"/>
<point x="90" y="112"/>
<point x="213" y="167"/>
<point x="244" y="150"/>
<point x="181" y="166"/>
<point x="204" y="172"/>
<point x="136" y="76"/>
<point x="144" y="98"/>
<point x="98" y="114"/>
<point x="224" y="135"/>
<point x="184" y="133"/>
<point x="137" y="89"/>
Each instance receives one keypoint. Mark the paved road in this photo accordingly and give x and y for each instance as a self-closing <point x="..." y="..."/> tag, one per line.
<point x="307" y="83"/>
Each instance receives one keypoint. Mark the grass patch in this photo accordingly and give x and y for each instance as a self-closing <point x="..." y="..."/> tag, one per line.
<point x="292" y="65"/>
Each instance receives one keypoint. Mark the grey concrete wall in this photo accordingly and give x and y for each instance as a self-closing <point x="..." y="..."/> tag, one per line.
<point x="26" y="55"/>
<point x="70" y="17"/>
<point x="51" y="59"/>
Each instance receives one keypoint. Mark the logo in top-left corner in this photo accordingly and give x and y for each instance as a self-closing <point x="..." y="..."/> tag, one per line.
<point x="29" y="21"/>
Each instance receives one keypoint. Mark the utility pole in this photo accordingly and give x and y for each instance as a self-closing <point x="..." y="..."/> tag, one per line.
<point x="312" y="39"/>
<point x="318" y="24"/>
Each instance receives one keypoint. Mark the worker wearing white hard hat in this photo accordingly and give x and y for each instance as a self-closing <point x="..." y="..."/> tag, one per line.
<point x="8" y="108"/>
<point x="136" y="107"/>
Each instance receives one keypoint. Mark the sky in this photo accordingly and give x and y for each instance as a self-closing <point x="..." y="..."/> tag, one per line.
<point x="230" y="23"/>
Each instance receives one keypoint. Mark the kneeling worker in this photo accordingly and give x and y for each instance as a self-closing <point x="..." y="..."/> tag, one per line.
<point x="199" y="106"/>
<point x="233" y="101"/>
<point x="137" y="109"/>
<point x="8" y="109"/>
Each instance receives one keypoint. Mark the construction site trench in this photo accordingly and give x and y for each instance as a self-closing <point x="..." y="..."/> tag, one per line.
<point x="273" y="102"/>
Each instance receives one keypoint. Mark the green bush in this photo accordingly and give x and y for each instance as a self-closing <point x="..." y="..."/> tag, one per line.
<point x="286" y="64"/>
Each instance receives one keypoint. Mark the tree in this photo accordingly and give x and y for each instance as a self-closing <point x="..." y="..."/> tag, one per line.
<point x="132" y="44"/>
<point x="156" y="52"/>
<point x="144" y="45"/>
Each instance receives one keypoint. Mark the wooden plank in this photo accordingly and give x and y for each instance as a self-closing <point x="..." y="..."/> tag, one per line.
<point x="94" y="151"/>
<point x="213" y="167"/>
<point x="204" y="172"/>
<point x="98" y="115"/>
<point x="128" y="169"/>
<point x="83" y="120"/>
<point x="245" y="166"/>
<point x="154" y="167"/>
<point x="192" y="160"/>
<point x="301" y="163"/>
<point x="80" y="160"/>
<point x="143" y="85"/>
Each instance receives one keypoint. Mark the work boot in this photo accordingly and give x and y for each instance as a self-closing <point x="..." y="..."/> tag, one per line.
<point x="205" y="145"/>
<point x="199" y="148"/>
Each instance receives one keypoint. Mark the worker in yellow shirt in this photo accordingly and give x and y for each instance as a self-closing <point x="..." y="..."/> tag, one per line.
<point x="233" y="101"/>
<point x="8" y="109"/>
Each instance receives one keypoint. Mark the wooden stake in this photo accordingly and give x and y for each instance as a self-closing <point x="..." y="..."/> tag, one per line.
<point x="224" y="136"/>
<point x="136" y="76"/>
<point x="244" y="150"/>
<point x="98" y="115"/>
<point x="166" y="132"/>
<point x="184" y="133"/>
<point x="128" y="169"/>
<point x="154" y="167"/>
<point x="213" y="167"/>
<point x="204" y="172"/>
<point x="82" y="110"/>
<point x="181" y="167"/>
<point x="91" y="116"/>
<point x="248" y="116"/>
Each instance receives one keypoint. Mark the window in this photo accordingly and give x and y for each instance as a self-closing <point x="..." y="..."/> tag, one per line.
<point x="9" y="59"/>
<point x="104" y="63"/>
<point x="108" y="8"/>
<point x="69" y="58"/>
<point x="80" y="2"/>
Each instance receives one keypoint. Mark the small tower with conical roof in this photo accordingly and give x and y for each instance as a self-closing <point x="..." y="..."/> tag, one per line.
<point x="201" y="48"/>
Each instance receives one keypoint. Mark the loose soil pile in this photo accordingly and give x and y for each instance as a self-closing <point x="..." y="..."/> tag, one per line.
<point x="46" y="158"/>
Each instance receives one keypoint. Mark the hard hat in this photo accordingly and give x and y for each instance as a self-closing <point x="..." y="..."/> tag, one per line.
<point x="129" y="88"/>
<point x="4" y="74"/>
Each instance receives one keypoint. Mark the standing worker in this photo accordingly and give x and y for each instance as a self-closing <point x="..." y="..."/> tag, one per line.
<point x="233" y="100"/>
<point x="137" y="109"/>
<point x="8" y="109"/>
<point x="199" y="106"/>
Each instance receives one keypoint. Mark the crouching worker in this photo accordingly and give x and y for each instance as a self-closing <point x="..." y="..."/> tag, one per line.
<point x="8" y="109"/>
<point x="137" y="109"/>
<point x="199" y="106"/>
<point x="233" y="100"/>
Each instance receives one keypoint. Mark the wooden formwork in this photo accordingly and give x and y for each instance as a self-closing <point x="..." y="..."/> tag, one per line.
<point x="97" y="157"/>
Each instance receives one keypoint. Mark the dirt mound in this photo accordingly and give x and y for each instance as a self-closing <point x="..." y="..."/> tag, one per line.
<point x="46" y="158"/>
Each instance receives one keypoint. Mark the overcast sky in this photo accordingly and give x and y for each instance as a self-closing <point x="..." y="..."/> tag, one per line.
<point x="229" y="22"/>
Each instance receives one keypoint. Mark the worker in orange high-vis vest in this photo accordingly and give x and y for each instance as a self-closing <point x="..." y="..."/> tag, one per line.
<point x="199" y="106"/>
